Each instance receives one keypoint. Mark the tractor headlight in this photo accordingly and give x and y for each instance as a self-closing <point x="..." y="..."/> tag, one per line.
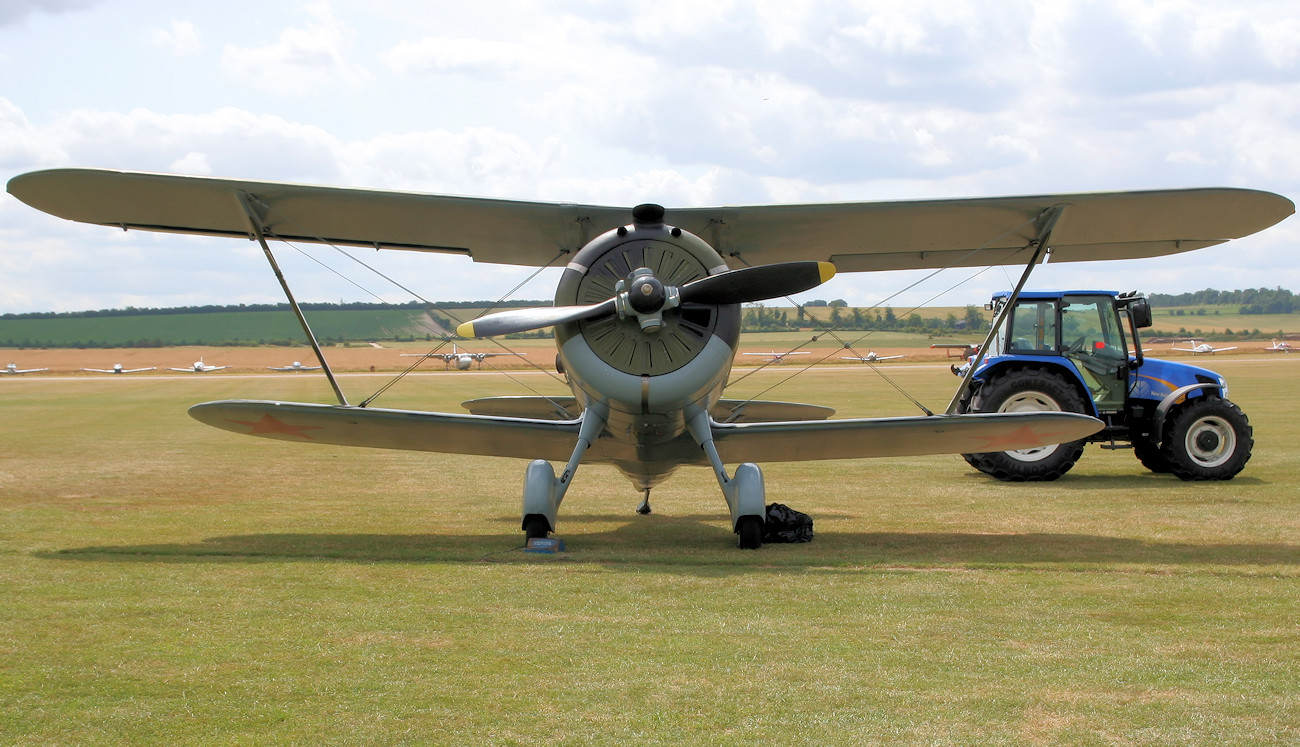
<point x="1223" y="387"/>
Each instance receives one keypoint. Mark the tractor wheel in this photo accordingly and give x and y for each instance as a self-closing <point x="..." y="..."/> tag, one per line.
<point x="1209" y="439"/>
<point x="1028" y="390"/>
<point x="1150" y="456"/>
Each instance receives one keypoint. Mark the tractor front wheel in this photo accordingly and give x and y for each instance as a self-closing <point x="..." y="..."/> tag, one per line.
<point x="1209" y="439"/>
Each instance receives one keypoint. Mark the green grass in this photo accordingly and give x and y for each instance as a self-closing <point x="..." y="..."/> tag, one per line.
<point x="167" y="582"/>
<point x="212" y="328"/>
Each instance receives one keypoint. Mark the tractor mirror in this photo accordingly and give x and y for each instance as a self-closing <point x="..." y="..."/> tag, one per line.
<point x="1140" y="311"/>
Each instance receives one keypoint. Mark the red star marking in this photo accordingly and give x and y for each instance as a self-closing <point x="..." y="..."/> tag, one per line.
<point x="270" y="426"/>
<point x="1020" y="438"/>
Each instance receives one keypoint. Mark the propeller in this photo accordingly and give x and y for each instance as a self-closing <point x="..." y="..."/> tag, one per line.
<point x="642" y="295"/>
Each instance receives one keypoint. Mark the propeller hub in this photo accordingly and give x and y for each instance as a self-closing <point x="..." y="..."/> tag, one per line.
<point x="646" y="293"/>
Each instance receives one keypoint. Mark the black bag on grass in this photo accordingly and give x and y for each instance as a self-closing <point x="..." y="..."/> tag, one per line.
<point x="784" y="524"/>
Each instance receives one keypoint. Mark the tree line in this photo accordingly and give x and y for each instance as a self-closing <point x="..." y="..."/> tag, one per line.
<point x="1249" y="301"/>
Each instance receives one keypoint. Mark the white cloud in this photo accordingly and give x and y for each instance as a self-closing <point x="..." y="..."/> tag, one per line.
<point x="301" y="62"/>
<point x="182" y="38"/>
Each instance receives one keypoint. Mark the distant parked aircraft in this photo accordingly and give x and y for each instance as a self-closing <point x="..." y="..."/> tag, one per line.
<point x="776" y="357"/>
<point x="461" y="358"/>
<point x="117" y="369"/>
<point x="871" y="357"/>
<point x="1199" y="348"/>
<point x="13" y="368"/>
<point x="1280" y="346"/>
<point x="199" y="367"/>
<point x="297" y="366"/>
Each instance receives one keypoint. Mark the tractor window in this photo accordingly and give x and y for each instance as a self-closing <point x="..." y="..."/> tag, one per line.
<point x="1089" y="325"/>
<point x="1092" y="337"/>
<point x="1033" y="327"/>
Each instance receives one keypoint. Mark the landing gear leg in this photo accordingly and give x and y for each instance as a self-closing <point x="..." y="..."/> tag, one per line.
<point x="744" y="492"/>
<point x="543" y="492"/>
<point x="644" y="508"/>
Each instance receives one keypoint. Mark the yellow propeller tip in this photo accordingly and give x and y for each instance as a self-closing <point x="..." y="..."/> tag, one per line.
<point x="466" y="329"/>
<point x="826" y="269"/>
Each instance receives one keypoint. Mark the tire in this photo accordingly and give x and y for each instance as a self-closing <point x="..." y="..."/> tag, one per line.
<point x="536" y="527"/>
<point x="1028" y="390"/>
<point x="749" y="529"/>
<point x="1209" y="439"/>
<point x="1151" y="457"/>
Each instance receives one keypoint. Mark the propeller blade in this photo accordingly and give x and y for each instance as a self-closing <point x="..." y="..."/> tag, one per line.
<point x="757" y="283"/>
<point x="527" y="320"/>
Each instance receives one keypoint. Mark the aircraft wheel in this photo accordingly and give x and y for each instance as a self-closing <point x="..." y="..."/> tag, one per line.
<point x="1209" y="439"/>
<point x="536" y="527"/>
<point x="1028" y="390"/>
<point x="749" y="530"/>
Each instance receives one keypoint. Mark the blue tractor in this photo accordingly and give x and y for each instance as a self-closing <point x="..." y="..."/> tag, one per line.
<point x="1068" y="350"/>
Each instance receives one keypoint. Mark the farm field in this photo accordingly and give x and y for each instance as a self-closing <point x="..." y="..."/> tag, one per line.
<point x="168" y="582"/>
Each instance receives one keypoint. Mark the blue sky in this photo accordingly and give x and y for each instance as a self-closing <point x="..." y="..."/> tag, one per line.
<point x="681" y="103"/>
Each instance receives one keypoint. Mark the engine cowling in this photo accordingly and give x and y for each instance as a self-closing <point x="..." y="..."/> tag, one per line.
<point x="625" y="361"/>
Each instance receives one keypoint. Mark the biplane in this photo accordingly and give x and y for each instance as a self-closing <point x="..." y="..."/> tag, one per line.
<point x="647" y="311"/>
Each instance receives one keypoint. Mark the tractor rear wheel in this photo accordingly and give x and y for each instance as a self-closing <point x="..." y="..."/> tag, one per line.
<point x="1028" y="390"/>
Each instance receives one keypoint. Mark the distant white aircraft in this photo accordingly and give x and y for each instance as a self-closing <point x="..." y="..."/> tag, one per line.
<point x="117" y="369"/>
<point x="297" y="366"/>
<point x="462" y="359"/>
<point x="199" y="367"/>
<point x="776" y="357"/>
<point x="871" y="357"/>
<point x="1280" y="346"/>
<point x="1200" y="348"/>
<point x="13" y="368"/>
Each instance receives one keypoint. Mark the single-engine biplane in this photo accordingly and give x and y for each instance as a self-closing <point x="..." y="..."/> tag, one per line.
<point x="647" y="312"/>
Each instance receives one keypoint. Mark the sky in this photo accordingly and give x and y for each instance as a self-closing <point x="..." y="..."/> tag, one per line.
<point x="616" y="103"/>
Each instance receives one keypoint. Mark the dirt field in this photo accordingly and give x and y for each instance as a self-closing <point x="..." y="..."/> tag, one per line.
<point x="344" y="359"/>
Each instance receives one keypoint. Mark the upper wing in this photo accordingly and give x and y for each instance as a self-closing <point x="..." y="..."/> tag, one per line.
<point x="855" y="236"/>
<point x="887" y="437"/>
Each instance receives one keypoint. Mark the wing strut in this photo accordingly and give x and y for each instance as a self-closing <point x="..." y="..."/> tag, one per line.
<point x="1046" y="222"/>
<point x="249" y="203"/>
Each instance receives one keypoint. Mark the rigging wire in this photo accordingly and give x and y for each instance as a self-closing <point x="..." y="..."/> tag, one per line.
<point x="826" y="330"/>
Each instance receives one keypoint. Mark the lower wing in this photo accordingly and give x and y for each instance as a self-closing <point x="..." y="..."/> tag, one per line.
<point x="393" y="429"/>
<point x="885" y="437"/>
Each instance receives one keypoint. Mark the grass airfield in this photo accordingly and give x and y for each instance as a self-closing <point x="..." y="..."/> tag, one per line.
<point x="167" y="582"/>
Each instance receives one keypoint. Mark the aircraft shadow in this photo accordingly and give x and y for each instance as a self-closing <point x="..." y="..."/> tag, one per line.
<point x="689" y="545"/>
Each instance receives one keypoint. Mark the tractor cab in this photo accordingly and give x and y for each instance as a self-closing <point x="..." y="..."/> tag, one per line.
<point x="1083" y="326"/>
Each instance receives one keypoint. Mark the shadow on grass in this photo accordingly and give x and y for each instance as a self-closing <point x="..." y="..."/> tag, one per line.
<point x="703" y="545"/>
